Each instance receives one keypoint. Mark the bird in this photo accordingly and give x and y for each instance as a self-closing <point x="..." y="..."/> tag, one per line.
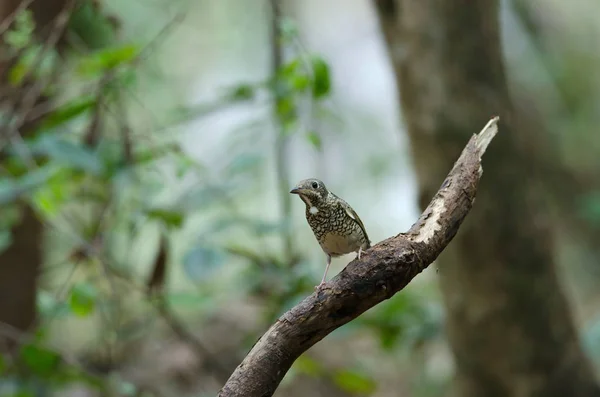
<point x="336" y="226"/>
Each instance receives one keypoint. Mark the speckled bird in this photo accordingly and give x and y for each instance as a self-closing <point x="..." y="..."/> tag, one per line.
<point x="335" y="224"/>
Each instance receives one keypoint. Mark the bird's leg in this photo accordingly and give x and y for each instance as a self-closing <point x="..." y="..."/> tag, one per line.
<point x="324" y="275"/>
<point x="359" y="252"/>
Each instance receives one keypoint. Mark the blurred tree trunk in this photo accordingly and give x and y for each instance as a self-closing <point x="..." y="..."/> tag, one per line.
<point x="562" y="119"/>
<point x="21" y="261"/>
<point x="509" y="324"/>
<point x="19" y="266"/>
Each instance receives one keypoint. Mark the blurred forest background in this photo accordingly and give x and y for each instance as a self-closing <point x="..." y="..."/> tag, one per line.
<point x="147" y="148"/>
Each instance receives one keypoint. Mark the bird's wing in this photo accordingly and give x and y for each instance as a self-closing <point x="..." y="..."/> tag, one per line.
<point x="352" y="214"/>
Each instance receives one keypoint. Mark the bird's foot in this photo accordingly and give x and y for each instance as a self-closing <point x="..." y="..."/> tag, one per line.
<point x="359" y="253"/>
<point x="320" y="286"/>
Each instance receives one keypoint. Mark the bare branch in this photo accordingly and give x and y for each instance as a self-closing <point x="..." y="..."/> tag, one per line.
<point x="382" y="271"/>
<point x="156" y="282"/>
<point x="33" y="93"/>
<point x="92" y="135"/>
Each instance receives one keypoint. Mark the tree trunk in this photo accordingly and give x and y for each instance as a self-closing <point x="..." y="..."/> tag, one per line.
<point x="508" y="322"/>
<point x="19" y="266"/>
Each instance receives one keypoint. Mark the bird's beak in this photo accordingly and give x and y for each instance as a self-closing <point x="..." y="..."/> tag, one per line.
<point x="296" y="190"/>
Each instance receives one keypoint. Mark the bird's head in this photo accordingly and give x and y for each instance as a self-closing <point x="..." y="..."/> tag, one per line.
<point x="312" y="191"/>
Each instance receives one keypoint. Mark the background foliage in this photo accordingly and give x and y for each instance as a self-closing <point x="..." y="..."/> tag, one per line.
<point x="159" y="152"/>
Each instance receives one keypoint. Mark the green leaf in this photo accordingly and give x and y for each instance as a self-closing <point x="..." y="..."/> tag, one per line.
<point x="200" y="263"/>
<point x="404" y="320"/>
<point x="70" y="154"/>
<point x="286" y="109"/>
<point x="82" y="300"/>
<point x="314" y="139"/>
<point x="168" y="217"/>
<point x="55" y="192"/>
<point x="101" y="61"/>
<point x="17" y="40"/>
<point x="389" y="336"/>
<point x="148" y="155"/>
<point x="22" y="33"/>
<point x="309" y="366"/>
<point x="17" y="74"/>
<point x="242" y="92"/>
<point x="92" y="25"/>
<point x="354" y="382"/>
<point x="34" y="60"/>
<point x="290" y="69"/>
<point x="321" y="78"/>
<point x="12" y="189"/>
<point x="300" y="82"/>
<point x="40" y="360"/>
<point x="68" y="112"/>
<point x="37" y="177"/>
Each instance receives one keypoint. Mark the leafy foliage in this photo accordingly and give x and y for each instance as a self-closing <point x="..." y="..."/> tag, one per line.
<point x="168" y="218"/>
<point x="404" y="321"/>
<point x="106" y="60"/>
<point x="354" y="382"/>
<point x="21" y="34"/>
<point x="82" y="300"/>
<point x="85" y="166"/>
<point x="68" y="112"/>
<point x="321" y="85"/>
<point x="351" y="381"/>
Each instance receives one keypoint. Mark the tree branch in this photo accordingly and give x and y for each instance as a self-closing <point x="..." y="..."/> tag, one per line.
<point x="382" y="271"/>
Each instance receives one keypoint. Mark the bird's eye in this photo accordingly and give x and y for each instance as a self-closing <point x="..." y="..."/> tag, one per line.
<point x="315" y="185"/>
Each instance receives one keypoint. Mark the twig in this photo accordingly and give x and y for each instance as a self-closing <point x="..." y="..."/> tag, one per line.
<point x="112" y="74"/>
<point x="33" y="93"/>
<point x="381" y="272"/>
<point x="126" y="142"/>
<point x="92" y="136"/>
<point x="156" y="282"/>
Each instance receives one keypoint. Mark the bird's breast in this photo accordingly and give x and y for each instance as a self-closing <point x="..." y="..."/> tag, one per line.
<point x="336" y="244"/>
<point x="336" y="232"/>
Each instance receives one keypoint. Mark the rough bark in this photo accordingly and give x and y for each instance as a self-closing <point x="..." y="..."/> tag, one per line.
<point x="508" y="323"/>
<point x="382" y="271"/>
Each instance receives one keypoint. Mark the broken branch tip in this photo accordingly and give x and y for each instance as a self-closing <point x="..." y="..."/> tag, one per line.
<point x="487" y="134"/>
